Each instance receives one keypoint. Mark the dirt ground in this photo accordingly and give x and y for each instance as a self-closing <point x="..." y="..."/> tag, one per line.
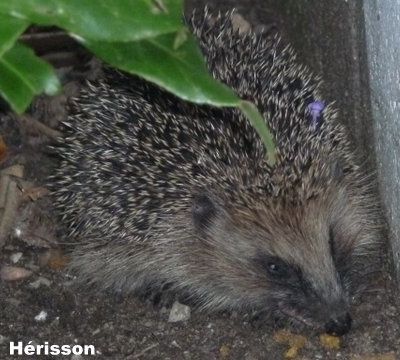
<point x="45" y="306"/>
<point x="130" y="328"/>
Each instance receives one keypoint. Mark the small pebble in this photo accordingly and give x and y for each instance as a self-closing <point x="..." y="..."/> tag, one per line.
<point x="95" y="332"/>
<point x="175" y="344"/>
<point x="240" y="24"/>
<point x="13" y="273"/>
<point x="42" y="316"/>
<point x="16" y="257"/>
<point x="40" y="281"/>
<point x="179" y="312"/>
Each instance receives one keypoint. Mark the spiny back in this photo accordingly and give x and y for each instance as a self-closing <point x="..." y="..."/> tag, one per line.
<point x="133" y="149"/>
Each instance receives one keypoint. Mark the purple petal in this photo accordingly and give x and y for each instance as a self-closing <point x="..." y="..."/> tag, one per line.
<point x="316" y="108"/>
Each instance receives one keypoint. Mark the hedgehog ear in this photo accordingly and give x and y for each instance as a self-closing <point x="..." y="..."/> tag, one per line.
<point x="203" y="210"/>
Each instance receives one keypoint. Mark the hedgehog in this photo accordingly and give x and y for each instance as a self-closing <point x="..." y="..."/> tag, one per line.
<point x="156" y="192"/>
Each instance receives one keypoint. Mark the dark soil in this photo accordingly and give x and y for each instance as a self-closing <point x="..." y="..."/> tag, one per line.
<point x="124" y="328"/>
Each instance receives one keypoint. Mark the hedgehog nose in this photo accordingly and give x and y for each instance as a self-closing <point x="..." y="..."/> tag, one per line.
<point x="339" y="325"/>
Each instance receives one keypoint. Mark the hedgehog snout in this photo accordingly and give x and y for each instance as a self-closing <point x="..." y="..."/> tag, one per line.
<point x="335" y="315"/>
<point x="339" y="325"/>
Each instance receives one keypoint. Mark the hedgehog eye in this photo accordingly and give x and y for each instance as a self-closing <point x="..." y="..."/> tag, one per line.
<point x="276" y="267"/>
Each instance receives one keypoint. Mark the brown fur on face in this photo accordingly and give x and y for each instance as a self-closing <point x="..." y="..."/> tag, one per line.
<point x="320" y="240"/>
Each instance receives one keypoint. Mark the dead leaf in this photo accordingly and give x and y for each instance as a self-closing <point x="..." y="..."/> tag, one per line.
<point x="10" y="198"/>
<point x="34" y="226"/>
<point x="224" y="352"/>
<point x="54" y="259"/>
<point x="330" y="342"/>
<point x="34" y="193"/>
<point x="296" y="342"/>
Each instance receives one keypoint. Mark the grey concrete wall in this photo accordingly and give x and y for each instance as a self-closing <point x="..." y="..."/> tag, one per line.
<point x="382" y="26"/>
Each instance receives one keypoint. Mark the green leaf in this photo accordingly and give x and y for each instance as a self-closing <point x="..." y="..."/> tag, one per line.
<point x="181" y="71"/>
<point x="109" y="20"/>
<point x="258" y="122"/>
<point x="143" y="37"/>
<point x="23" y="75"/>
<point x="10" y="30"/>
<point x="14" y="90"/>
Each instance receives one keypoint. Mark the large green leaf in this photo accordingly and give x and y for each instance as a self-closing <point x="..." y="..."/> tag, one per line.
<point x="181" y="71"/>
<point x="109" y="20"/>
<point x="10" y="29"/>
<point x="258" y="122"/>
<point x="23" y="75"/>
<point x="143" y="37"/>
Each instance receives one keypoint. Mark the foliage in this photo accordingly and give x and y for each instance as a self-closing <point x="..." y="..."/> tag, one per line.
<point x="143" y="37"/>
